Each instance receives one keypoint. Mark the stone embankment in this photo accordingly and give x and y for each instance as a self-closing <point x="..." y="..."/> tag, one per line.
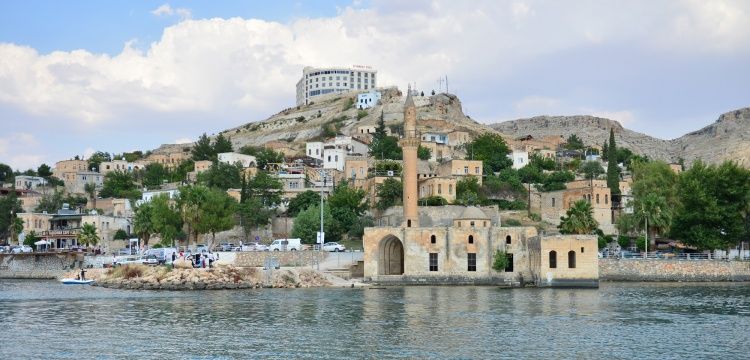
<point x="140" y="277"/>
<point x="673" y="270"/>
<point x="37" y="265"/>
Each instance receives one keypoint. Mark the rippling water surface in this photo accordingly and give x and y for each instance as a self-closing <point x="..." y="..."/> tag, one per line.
<point x="45" y="320"/>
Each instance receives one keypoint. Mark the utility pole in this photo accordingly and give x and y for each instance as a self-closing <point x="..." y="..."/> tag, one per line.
<point x="321" y="234"/>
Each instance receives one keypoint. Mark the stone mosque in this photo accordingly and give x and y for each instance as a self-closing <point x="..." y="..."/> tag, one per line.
<point x="460" y="249"/>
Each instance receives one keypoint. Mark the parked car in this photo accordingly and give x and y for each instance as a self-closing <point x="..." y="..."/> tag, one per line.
<point x="22" y="249"/>
<point x="286" y="245"/>
<point x="163" y="255"/>
<point x="226" y="247"/>
<point x="333" y="247"/>
<point x="151" y="260"/>
<point x="254" y="247"/>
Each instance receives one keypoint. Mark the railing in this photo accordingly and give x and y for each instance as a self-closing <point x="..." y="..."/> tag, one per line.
<point x="61" y="232"/>
<point x="668" y="256"/>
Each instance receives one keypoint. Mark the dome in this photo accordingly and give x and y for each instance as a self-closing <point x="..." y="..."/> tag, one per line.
<point x="474" y="213"/>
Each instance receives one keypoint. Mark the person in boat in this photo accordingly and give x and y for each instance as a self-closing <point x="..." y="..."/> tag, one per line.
<point x="83" y="275"/>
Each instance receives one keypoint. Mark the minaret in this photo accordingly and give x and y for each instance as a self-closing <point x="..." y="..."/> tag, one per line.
<point x="409" y="146"/>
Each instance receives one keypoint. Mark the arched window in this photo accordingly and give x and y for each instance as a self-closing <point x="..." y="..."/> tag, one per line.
<point x="433" y="239"/>
<point x="597" y="198"/>
<point x="571" y="259"/>
<point x="471" y="239"/>
<point x="485" y="224"/>
<point x="507" y="239"/>
<point x="553" y="259"/>
<point x="408" y="223"/>
<point x="472" y="224"/>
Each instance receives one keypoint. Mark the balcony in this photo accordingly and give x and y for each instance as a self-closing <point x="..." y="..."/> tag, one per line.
<point x="61" y="233"/>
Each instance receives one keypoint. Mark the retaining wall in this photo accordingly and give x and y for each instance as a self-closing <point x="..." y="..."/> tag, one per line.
<point x="37" y="265"/>
<point x="673" y="270"/>
<point x="285" y="258"/>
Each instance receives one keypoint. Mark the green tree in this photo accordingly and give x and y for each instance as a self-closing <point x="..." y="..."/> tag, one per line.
<point x="222" y="145"/>
<point x="579" y="219"/>
<point x="179" y="174"/>
<point x="556" y="181"/>
<point x="307" y="224"/>
<point x="88" y="236"/>
<point x="222" y="176"/>
<point x="266" y="188"/>
<point x="574" y="143"/>
<point x="263" y="156"/>
<point x="189" y="203"/>
<point x="542" y="163"/>
<point x="467" y="191"/>
<point x="435" y="200"/>
<point x="424" y="153"/>
<point x="143" y="225"/>
<point x="591" y="169"/>
<point x="605" y="150"/>
<point x="714" y="203"/>
<point x="120" y="234"/>
<point x="133" y="156"/>
<point x="9" y="208"/>
<point x="97" y="158"/>
<point x="252" y="215"/>
<point x="202" y="150"/>
<point x="613" y="170"/>
<point x="500" y="261"/>
<point x="6" y="173"/>
<point x="120" y="184"/>
<point x="154" y="174"/>
<point x="492" y="150"/>
<point x="389" y="193"/>
<point x="44" y="171"/>
<point x="346" y="205"/>
<point x="302" y="201"/>
<point x="50" y="202"/>
<point x="216" y="214"/>
<point x="652" y="208"/>
<point x="383" y="146"/>
<point x="165" y="218"/>
<point x="31" y="238"/>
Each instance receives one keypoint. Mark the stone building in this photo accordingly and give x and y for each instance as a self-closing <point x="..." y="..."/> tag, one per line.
<point x="66" y="169"/>
<point x="462" y="249"/>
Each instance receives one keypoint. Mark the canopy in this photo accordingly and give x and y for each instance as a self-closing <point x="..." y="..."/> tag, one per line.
<point x="42" y="242"/>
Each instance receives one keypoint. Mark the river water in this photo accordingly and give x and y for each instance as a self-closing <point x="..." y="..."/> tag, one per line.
<point x="46" y="320"/>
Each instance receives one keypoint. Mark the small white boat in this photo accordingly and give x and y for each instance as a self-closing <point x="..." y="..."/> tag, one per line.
<point x="76" y="282"/>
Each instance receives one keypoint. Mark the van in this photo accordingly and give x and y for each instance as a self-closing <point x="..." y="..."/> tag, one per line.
<point x="163" y="255"/>
<point x="286" y="244"/>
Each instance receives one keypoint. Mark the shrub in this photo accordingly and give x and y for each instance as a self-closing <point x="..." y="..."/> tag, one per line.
<point x="300" y="119"/>
<point x="348" y="104"/>
<point x="361" y="114"/>
<point x="501" y="261"/>
<point x="511" y="222"/>
<point x="433" y="201"/>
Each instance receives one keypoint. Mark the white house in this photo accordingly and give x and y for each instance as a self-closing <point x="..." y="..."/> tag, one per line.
<point x="436" y="137"/>
<point x="314" y="150"/>
<point x="149" y="195"/>
<point x="368" y="99"/>
<point x="334" y="158"/>
<point x="119" y="165"/>
<point x="520" y="158"/>
<point x="232" y="158"/>
<point x="25" y="182"/>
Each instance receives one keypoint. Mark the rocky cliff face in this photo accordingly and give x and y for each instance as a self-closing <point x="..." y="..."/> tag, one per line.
<point x="726" y="139"/>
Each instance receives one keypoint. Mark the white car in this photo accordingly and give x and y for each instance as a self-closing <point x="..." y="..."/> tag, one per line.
<point x="286" y="245"/>
<point x="333" y="247"/>
<point x="22" y="249"/>
<point x="254" y="247"/>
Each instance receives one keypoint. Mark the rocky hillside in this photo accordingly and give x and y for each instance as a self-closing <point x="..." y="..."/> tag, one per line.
<point x="292" y="127"/>
<point x="726" y="139"/>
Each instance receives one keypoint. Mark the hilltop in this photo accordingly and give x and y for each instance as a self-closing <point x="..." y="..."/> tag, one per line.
<point x="728" y="138"/>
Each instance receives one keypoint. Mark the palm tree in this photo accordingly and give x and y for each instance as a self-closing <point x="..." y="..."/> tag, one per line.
<point x="88" y="236"/>
<point x="142" y="224"/>
<point x="653" y="209"/>
<point x="90" y="189"/>
<point x="579" y="219"/>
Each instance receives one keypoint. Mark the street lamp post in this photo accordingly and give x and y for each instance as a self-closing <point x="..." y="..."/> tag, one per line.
<point x="321" y="233"/>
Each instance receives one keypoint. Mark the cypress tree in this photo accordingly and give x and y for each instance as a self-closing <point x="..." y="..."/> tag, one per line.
<point x="613" y="171"/>
<point x="605" y="150"/>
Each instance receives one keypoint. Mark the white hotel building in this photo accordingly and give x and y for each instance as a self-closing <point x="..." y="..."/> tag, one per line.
<point x="322" y="81"/>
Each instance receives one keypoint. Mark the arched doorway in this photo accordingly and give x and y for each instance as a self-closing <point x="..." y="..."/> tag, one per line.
<point x="391" y="256"/>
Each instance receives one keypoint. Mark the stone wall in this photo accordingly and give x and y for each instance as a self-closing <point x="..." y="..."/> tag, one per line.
<point x="285" y="258"/>
<point x="673" y="270"/>
<point x="37" y="266"/>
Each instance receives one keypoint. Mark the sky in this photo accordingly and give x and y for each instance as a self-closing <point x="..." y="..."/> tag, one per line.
<point x="82" y="76"/>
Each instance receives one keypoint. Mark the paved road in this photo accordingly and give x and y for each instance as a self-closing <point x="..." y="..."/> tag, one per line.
<point x="340" y="260"/>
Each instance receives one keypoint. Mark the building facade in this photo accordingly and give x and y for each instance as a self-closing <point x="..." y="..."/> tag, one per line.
<point x="368" y="99"/>
<point x="317" y="82"/>
<point x="233" y="158"/>
<point x="29" y="182"/>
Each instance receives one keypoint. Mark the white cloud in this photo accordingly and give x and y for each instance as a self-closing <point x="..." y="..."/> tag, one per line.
<point x="247" y="68"/>
<point x="167" y="10"/>
<point x="20" y="151"/>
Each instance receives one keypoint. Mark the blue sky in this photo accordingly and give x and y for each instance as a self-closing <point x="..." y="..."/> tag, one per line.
<point x="79" y="76"/>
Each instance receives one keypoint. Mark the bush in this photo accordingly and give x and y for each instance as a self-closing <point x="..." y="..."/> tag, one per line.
<point x="535" y="217"/>
<point x="511" y="222"/>
<point x="361" y="114"/>
<point x="433" y="201"/>
<point x="300" y="119"/>
<point x="501" y="261"/>
<point x="623" y="241"/>
<point x="348" y="104"/>
<point x="512" y="205"/>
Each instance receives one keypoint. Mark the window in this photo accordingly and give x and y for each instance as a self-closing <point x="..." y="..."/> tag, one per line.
<point x="476" y="169"/>
<point x="571" y="259"/>
<point x="606" y="199"/>
<point x="471" y="239"/>
<point x="450" y="189"/>
<point x="459" y="224"/>
<point x="433" y="239"/>
<point x="472" y="224"/>
<point x="581" y="249"/>
<point x="408" y="223"/>
<point x="553" y="259"/>
<point x="597" y="198"/>
<point x="440" y="188"/>
<point x="472" y="260"/>
<point x="509" y="266"/>
<point x="507" y="239"/>
<point x="466" y="169"/>
<point x="433" y="262"/>
<point x="553" y="202"/>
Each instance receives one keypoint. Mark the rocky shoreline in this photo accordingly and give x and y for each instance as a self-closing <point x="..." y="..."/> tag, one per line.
<point x="140" y="277"/>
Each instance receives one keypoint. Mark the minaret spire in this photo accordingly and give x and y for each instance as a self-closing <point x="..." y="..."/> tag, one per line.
<point x="409" y="146"/>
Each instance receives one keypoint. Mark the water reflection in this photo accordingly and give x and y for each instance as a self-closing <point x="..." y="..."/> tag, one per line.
<point x="48" y="320"/>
